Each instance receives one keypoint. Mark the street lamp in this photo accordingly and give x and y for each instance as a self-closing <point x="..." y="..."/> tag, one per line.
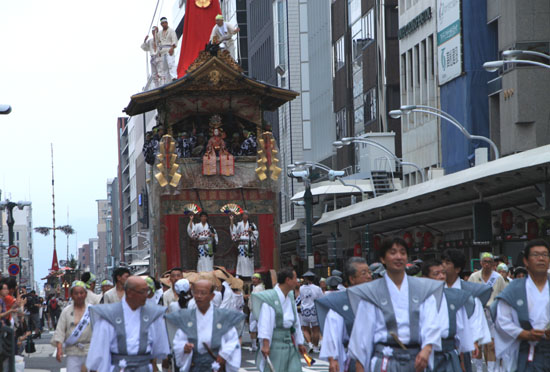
<point x="5" y="109"/>
<point x="513" y="54"/>
<point x="349" y="140"/>
<point x="493" y="66"/>
<point x="407" y="109"/>
<point x="308" y="199"/>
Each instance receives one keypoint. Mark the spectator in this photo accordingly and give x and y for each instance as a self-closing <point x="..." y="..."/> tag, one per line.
<point x="4" y="313"/>
<point x="54" y="309"/>
<point x="33" y="307"/>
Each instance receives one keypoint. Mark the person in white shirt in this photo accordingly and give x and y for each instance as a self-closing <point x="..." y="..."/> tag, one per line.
<point x="336" y="317"/>
<point x="127" y="334"/>
<point x="457" y="335"/>
<point x="170" y="295"/>
<point x="152" y="46"/>
<point x="309" y="292"/>
<point x="245" y="233"/>
<point x="206" y="338"/>
<point x="115" y="294"/>
<point x="90" y="280"/>
<point x="454" y="262"/>
<point x="279" y="329"/>
<point x="222" y="34"/>
<point x="401" y="329"/>
<point x="183" y="289"/>
<point x="168" y="41"/>
<point x="207" y="238"/>
<point x="489" y="277"/>
<point x="522" y="315"/>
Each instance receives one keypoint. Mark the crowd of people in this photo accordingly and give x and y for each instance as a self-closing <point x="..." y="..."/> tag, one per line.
<point x="382" y="317"/>
<point x="195" y="144"/>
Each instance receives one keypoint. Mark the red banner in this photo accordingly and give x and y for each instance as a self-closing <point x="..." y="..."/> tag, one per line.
<point x="197" y="28"/>
<point x="172" y="241"/>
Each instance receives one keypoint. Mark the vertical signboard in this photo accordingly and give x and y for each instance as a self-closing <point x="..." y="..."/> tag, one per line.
<point x="449" y="40"/>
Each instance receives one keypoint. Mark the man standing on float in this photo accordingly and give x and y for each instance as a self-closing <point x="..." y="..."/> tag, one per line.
<point x="207" y="237"/>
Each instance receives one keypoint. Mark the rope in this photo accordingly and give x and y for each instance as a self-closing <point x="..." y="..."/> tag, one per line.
<point x="153" y="19"/>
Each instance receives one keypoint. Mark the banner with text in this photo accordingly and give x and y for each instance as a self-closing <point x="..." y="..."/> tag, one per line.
<point x="449" y="40"/>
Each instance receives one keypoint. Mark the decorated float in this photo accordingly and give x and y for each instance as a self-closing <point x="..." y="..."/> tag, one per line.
<point x="213" y="153"/>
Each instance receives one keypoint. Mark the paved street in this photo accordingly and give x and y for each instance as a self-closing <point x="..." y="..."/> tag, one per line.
<point x="44" y="358"/>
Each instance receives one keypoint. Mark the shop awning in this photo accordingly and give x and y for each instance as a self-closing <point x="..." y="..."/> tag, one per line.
<point x="505" y="182"/>
<point x="294" y="225"/>
<point x="330" y="188"/>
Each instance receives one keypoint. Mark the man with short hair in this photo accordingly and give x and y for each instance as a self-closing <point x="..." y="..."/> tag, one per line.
<point x="489" y="277"/>
<point x="168" y="41"/>
<point x="170" y="295"/>
<point x="402" y="330"/>
<point x="89" y="279"/>
<point x="454" y="262"/>
<point x="115" y="294"/>
<point x="206" y="338"/>
<point x="279" y="329"/>
<point x="128" y="334"/>
<point x="336" y="317"/>
<point x="522" y="316"/>
<point x="456" y="308"/>
<point x="222" y="34"/>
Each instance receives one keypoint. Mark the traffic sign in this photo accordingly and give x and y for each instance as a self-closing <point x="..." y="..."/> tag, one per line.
<point x="13" y="269"/>
<point x="13" y="251"/>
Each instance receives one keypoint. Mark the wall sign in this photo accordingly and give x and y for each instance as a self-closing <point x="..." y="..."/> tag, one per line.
<point x="449" y="40"/>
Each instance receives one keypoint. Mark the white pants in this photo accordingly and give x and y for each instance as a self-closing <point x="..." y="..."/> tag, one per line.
<point x="245" y="266"/>
<point x="252" y="323"/>
<point x="155" y="61"/>
<point x="75" y="363"/>
<point x="205" y="264"/>
<point x="168" y="68"/>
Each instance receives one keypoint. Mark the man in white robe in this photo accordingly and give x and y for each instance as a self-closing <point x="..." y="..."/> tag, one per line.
<point x="127" y="334"/>
<point x="309" y="292"/>
<point x="522" y="315"/>
<point x="152" y="46"/>
<point x="73" y="332"/>
<point x="454" y="261"/>
<point x="207" y="238"/>
<point x="206" y="338"/>
<point x="246" y="234"/>
<point x="336" y="327"/>
<point x="375" y="343"/>
<point x="456" y="308"/>
<point x="170" y="295"/>
<point x="279" y="329"/>
<point x="168" y="41"/>
<point x="222" y="34"/>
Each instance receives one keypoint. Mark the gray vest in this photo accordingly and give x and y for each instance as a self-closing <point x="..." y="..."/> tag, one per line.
<point x="114" y="314"/>
<point x="338" y="302"/>
<point x="515" y="295"/>
<point x="377" y="293"/>
<point x="456" y="299"/>
<point x="186" y="320"/>
<point x="477" y="290"/>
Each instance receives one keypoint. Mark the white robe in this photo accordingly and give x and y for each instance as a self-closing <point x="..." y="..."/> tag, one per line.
<point x="366" y="334"/>
<point x="111" y="296"/>
<point x="478" y="321"/>
<point x="104" y="341"/>
<point x="93" y="298"/>
<point x="229" y="350"/>
<point x="507" y="323"/>
<point x="241" y="235"/>
<point x="201" y="232"/>
<point x="225" y="35"/>
<point x="464" y="335"/>
<point x="334" y="336"/>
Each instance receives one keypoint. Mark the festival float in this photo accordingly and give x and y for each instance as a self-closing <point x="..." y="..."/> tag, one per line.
<point x="213" y="153"/>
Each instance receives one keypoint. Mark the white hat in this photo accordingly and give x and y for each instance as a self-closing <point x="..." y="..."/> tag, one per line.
<point x="182" y="285"/>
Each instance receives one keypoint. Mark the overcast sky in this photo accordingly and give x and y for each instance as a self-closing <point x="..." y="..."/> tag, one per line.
<point x="68" y="68"/>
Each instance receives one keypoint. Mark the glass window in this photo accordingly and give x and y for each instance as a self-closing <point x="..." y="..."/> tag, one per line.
<point x="339" y="54"/>
<point x="368" y="26"/>
<point x="370" y="105"/>
<point x="341" y="124"/>
<point x="354" y="10"/>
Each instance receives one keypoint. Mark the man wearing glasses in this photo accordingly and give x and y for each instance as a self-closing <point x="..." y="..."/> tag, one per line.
<point x="488" y="276"/>
<point x="127" y="334"/>
<point x="522" y="315"/>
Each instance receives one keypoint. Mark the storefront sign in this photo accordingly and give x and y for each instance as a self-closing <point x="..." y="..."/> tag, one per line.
<point x="449" y="40"/>
<point x="415" y="23"/>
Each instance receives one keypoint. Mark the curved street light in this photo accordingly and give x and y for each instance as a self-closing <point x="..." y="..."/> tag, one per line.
<point x="349" y="140"/>
<point x="407" y="109"/>
<point x="493" y="66"/>
<point x="513" y="54"/>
